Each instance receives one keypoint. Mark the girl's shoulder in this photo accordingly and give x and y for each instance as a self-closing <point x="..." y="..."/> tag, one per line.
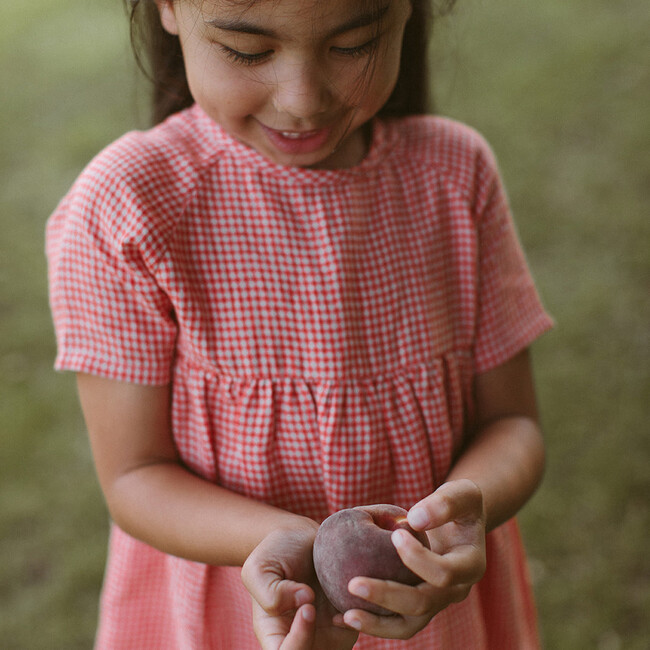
<point x="162" y="161"/>
<point x="443" y="144"/>
<point x="141" y="181"/>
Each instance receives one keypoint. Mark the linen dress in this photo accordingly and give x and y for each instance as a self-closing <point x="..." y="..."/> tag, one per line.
<point x="321" y="328"/>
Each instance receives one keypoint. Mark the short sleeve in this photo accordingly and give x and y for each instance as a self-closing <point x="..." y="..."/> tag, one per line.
<point x="110" y="316"/>
<point x="510" y="312"/>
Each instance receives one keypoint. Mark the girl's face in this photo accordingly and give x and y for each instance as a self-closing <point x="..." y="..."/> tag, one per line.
<point x="294" y="79"/>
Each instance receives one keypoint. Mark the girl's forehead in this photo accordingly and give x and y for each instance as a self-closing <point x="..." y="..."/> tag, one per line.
<point x="286" y="10"/>
<point x="271" y="4"/>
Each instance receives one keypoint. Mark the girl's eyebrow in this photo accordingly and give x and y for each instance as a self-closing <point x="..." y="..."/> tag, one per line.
<point x="245" y="27"/>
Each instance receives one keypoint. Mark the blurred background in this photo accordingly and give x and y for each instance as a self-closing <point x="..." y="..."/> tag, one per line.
<point x="561" y="89"/>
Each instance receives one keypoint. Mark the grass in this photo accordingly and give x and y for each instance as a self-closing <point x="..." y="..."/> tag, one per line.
<point x="559" y="89"/>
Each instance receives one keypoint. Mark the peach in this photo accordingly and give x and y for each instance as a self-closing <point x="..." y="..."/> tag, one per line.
<point x="357" y="542"/>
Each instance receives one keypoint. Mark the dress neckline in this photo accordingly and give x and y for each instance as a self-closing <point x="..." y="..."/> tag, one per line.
<point x="382" y="140"/>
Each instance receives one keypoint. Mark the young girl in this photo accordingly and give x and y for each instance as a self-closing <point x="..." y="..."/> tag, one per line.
<point x="292" y="296"/>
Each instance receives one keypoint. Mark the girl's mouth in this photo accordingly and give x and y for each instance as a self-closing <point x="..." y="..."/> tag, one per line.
<point x="297" y="142"/>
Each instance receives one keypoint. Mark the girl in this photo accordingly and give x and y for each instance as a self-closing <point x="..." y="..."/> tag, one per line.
<point x="293" y="296"/>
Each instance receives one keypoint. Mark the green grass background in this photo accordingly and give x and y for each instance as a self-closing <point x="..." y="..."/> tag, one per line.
<point x="562" y="91"/>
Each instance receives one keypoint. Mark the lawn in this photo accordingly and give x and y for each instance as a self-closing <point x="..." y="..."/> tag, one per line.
<point x="561" y="89"/>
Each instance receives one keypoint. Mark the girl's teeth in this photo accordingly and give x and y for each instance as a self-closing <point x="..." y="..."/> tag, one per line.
<point x="292" y="135"/>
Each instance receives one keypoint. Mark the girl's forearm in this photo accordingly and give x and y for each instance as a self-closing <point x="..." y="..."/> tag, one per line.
<point x="151" y="494"/>
<point x="506" y="460"/>
<point x="177" y="512"/>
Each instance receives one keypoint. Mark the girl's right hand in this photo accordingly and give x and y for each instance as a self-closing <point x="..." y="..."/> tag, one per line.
<point x="289" y="610"/>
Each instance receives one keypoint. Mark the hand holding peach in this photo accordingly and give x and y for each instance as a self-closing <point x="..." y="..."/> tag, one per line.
<point x="454" y="520"/>
<point x="357" y="542"/>
<point x="289" y="609"/>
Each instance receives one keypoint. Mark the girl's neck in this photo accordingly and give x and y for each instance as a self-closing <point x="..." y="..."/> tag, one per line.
<point x="351" y="151"/>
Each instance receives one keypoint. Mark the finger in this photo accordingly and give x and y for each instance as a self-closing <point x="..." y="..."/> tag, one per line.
<point x="303" y="630"/>
<point x="387" y="627"/>
<point x="463" y="564"/>
<point x="414" y="607"/>
<point x="410" y="601"/>
<point x="287" y="595"/>
<point x="276" y="595"/>
<point x="452" y="501"/>
<point x="394" y="596"/>
<point x="269" y="630"/>
<point x="288" y="632"/>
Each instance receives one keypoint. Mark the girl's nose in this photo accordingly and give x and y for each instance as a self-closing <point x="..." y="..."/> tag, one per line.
<point x="302" y="90"/>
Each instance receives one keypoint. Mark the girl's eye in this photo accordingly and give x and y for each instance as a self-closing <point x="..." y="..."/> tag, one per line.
<point x="245" y="58"/>
<point x="358" y="51"/>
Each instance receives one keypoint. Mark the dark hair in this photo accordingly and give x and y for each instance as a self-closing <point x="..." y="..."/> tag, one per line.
<point x="159" y="55"/>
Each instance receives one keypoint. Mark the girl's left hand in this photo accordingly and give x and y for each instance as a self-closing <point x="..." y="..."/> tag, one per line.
<point x="290" y="612"/>
<point x="454" y="519"/>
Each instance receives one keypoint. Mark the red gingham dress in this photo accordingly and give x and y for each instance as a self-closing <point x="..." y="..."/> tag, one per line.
<point x="321" y="329"/>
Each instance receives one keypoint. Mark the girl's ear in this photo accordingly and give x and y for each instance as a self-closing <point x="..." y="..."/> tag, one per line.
<point x="167" y="15"/>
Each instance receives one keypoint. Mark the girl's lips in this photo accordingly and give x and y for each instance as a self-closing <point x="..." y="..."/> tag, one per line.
<point x="297" y="142"/>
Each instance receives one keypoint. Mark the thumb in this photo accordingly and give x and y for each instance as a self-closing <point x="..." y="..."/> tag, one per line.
<point x="452" y="500"/>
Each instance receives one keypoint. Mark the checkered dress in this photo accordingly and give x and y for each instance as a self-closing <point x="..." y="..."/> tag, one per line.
<point x="321" y="329"/>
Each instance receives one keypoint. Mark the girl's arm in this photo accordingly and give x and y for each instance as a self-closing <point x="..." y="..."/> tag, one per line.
<point x="506" y="457"/>
<point x="497" y="472"/>
<point x="152" y="496"/>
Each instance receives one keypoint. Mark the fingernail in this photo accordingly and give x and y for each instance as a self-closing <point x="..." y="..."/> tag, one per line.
<point x="308" y="614"/>
<point x="418" y="518"/>
<point x="359" y="590"/>
<point x="302" y="597"/>
<point x="353" y="622"/>
<point x="398" y="537"/>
